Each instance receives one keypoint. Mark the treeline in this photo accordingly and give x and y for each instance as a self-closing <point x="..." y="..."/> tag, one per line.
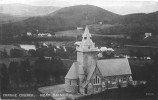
<point x="50" y="51"/>
<point x="13" y="53"/>
<point x="47" y="51"/>
<point x="43" y="72"/>
<point x="140" y="54"/>
<point x="24" y="38"/>
<point x="53" y="38"/>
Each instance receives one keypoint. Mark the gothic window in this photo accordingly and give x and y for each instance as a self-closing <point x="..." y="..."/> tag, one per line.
<point x="70" y="82"/>
<point x="85" y="37"/>
<point x="97" y="80"/>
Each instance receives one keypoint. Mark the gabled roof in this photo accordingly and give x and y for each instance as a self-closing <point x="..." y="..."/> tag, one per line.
<point x="73" y="71"/>
<point x="91" y="72"/>
<point x="111" y="67"/>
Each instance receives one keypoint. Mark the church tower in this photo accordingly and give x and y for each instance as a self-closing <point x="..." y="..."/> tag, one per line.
<point x="86" y="54"/>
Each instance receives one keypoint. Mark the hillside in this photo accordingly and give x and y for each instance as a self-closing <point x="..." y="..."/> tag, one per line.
<point x="6" y="18"/>
<point x="141" y="18"/>
<point x="84" y="14"/>
<point x="68" y="18"/>
<point x="134" y="24"/>
<point x="26" y="10"/>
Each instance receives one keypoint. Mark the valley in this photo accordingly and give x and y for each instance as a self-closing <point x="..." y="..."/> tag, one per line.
<point x="38" y="46"/>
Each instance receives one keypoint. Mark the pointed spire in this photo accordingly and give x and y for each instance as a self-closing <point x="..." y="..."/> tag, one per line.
<point x="86" y="33"/>
<point x="86" y="44"/>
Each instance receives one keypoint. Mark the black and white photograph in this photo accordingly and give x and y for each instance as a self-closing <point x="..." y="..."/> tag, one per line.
<point x="78" y="50"/>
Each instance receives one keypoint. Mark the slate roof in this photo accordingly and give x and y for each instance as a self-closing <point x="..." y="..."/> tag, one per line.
<point x="73" y="71"/>
<point x="111" y="67"/>
<point x="107" y="67"/>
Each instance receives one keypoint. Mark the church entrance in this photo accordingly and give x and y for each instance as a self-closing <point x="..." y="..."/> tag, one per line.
<point x="85" y="90"/>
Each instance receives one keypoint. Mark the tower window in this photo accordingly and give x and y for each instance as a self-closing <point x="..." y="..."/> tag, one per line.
<point x="85" y="37"/>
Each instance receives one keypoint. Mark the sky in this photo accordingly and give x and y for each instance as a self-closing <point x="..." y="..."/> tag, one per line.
<point x="116" y="6"/>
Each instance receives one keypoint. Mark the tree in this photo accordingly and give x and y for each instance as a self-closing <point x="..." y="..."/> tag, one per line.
<point x="5" y="76"/>
<point x="14" y="72"/>
<point x="25" y="71"/>
<point x="42" y="70"/>
<point x="4" y="53"/>
<point x="32" y="53"/>
<point x="37" y="45"/>
<point x="139" y="54"/>
<point x="132" y="54"/>
<point x="107" y="54"/>
<point x="16" y="52"/>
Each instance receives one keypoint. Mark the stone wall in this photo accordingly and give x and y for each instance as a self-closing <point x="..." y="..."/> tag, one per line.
<point x="109" y="82"/>
<point x="113" y="81"/>
<point x="87" y="58"/>
<point x="71" y="85"/>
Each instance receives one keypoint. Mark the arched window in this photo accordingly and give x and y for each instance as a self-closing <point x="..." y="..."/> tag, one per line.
<point x="70" y="82"/>
<point x="97" y="80"/>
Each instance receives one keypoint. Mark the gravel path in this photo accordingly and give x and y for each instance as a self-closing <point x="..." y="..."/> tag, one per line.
<point x="56" y="91"/>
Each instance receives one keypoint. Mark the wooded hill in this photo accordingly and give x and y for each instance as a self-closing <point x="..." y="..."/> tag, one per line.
<point x="80" y="15"/>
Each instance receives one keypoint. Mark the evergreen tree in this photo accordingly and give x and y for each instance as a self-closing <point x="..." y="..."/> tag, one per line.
<point x="14" y="72"/>
<point x="139" y="54"/>
<point x="5" y="77"/>
<point x="5" y="54"/>
<point x="132" y="54"/>
<point x="25" y="71"/>
<point x="16" y="53"/>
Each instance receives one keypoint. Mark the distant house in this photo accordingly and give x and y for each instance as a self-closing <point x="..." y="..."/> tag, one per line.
<point x="89" y="75"/>
<point x="106" y="49"/>
<point x="29" y="34"/>
<point x="148" y="35"/>
<point x="79" y="28"/>
<point x="44" y="35"/>
<point x="27" y="47"/>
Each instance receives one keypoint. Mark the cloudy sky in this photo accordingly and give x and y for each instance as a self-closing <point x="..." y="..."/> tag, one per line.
<point x="116" y="6"/>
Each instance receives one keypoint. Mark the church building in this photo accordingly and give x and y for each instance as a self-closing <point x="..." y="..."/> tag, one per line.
<point x="89" y="75"/>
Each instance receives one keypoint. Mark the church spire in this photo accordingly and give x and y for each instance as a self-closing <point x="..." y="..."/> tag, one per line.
<point x="86" y="44"/>
<point x="86" y="35"/>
